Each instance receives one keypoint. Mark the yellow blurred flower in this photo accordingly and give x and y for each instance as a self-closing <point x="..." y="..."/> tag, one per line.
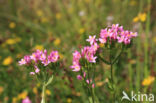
<point x="48" y="92"/>
<point x="82" y="30"/>
<point x="58" y="16"/>
<point x="148" y="81"/>
<point x="99" y="84"/>
<point x="23" y="95"/>
<point x="141" y="17"/>
<point x="44" y="20"/>
<point x="1" y="89"/>
<point x="39" y="47"/>
<point x="12" y="25"/>
<point x="14" y="100"/>
<point x="69" y="100"/>
<point x="39" y="13"/>
<point x="57" y="41"/>
<point x="10" y="41"/>
<point x="35" y="90"/>
<point x="136" y="19"/>
<point x="7" y="61"/>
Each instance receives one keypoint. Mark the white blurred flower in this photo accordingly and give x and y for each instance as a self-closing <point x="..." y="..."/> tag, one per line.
<point x="81" y="13"/>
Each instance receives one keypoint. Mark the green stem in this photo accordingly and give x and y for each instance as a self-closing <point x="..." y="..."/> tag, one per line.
<point x="130" y="71"/>
<point x="93" y="98"/>
<point x="146" y="39"/>
<point x="138" y="65"/>
<point x="43" y="94"/>
<point x="93" y="95"/>
<point x="105" y="61"/>
<point x="112" y="80"/>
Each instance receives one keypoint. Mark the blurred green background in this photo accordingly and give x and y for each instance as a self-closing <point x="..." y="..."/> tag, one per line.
<point x="63" y="25"/>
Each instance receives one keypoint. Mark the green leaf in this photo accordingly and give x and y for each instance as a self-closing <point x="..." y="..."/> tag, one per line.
<point x="49" y="81"/>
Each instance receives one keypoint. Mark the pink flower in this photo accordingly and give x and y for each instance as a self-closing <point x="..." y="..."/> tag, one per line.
<point x="32" y="73"/>
<point x="95" y="47"/>
<point x="115" y="26"/>
<point x="120" y="39"/>
<point x="43" y="55"/>
<point x="26" y="100"/>
<point x="102" y="40"/>
<point x="89" y="53"/>
<point x="92" y="59"/>
<point x="36" y="55"/>
<point x="54" y="56"/>
<point x="92" y="39"/>
<point x="87" y="81"/>
<point x="45" y="62"/>
<point x="37" y="70"/>
<point x="133" y="34"/>
<point x="84" y="74"/>
<point x="85" y="50"/>
<point x="79" y="77"/>
<point x="27" y="59"/>
<point x="116" y="33"/>
<point x="103" y="33"/>
<point x="127" y="40"/>
<point x="93" y="85"/>
<point x="22" y="62"/>
<point x="76" y="56"/>
<point x="75" y="67"/>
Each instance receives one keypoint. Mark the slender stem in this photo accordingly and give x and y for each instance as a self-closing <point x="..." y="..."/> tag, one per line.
<point x="130" y="71"/>
<point x="105" y="61"/>
<point x="111" y="65"/>
<point x="93" y="95"/>
<point x="43" y="93"/>
<point x="112" y="80"/>
<point x="146" y="39"/>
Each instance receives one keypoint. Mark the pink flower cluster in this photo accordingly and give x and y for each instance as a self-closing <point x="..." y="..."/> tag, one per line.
<point x="88" y="52"/>
<point x="116" y="32"/>
<point x="39" y="57"/>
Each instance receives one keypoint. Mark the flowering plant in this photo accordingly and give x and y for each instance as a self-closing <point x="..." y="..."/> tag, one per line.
<point x="39" y="65"/>
<point x="84" y="63"/>
<point x="112" y="39"/>
<point x="115" y="41"/>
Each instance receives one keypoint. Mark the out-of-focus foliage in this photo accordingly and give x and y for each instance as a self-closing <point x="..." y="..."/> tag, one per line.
<point x="64" y="25"/>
